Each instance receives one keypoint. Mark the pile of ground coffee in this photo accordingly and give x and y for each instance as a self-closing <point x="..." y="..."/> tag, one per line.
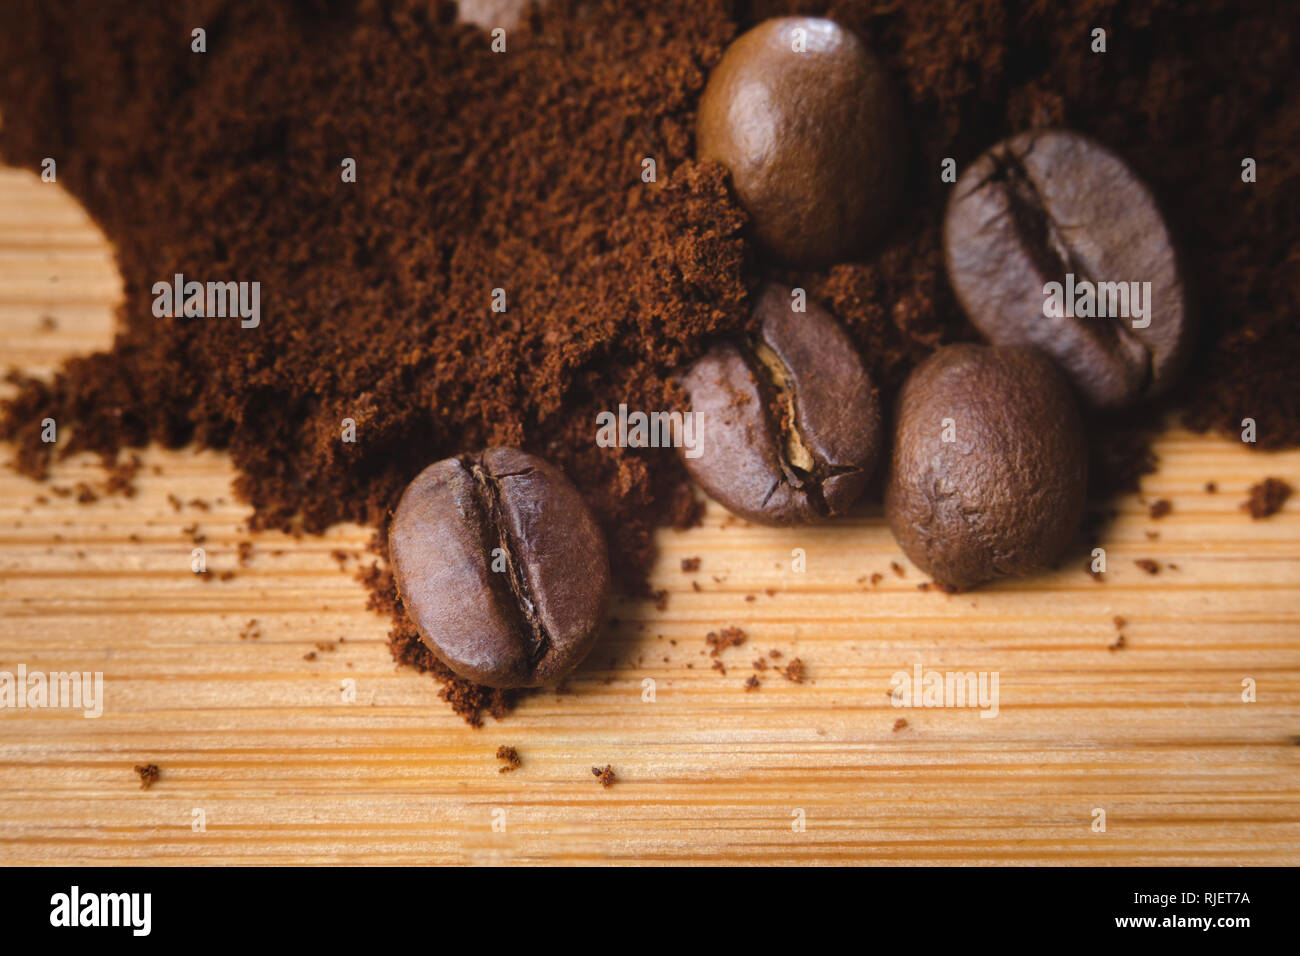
<point x="522" y="171"/>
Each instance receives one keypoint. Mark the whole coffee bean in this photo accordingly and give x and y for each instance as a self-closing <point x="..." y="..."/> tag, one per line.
<point x="1056" y="207"/>
<point x="989" y="467"/>
<point x="811" y="128"/>
<point x="790" y="427"/>
<point x="501" y="567"/>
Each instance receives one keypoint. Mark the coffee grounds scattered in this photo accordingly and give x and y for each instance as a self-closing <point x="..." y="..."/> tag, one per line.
<point x="478" y="171"/>
<point x="1266" y="498"/>
<point x="605" y="777"/>
<point x="148" y="773"/>
<point x="511" y="757"/>
<point x="719" y="641"/>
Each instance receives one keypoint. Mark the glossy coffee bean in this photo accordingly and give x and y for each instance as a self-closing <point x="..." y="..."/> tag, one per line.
<point x="790" y="428"/>
<point x="501" y="567"/>
<point x="813" y="139"/>
<point x="1047" y="204"/>
<point x="989" y="465"/>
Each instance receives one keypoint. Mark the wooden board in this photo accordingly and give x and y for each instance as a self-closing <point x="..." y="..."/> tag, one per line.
<point x="283" y="769"/>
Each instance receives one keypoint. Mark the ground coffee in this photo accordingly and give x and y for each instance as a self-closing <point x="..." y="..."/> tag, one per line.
<point x="523" y="171"/>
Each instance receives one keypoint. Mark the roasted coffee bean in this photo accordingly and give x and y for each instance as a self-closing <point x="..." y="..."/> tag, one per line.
<point x="501" y="567"/>
<point x="989" y="466"/>
<point x="1056" y="207"/>
<point x="790" y="427"/>
<point x="811" y="128"/>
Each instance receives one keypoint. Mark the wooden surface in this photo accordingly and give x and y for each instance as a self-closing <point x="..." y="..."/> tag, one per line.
<point x="284" y="770"/>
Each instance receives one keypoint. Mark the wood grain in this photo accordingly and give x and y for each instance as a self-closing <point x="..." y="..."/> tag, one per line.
<point x="285" y="771"/>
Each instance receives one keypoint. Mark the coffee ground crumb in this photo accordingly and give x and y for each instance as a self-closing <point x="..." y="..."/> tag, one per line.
<point x="794" y="671"/>
<point x="1266" y="498"/>
<point x="719" y="641"/>
<point x="690" y="564"/>
<point x="900" y="724"/>
<point x="1160" y="508"/>
<point x="511" y="757"/>
<point x="752" y="683"/>
<point x="605" y="777"/>
<point x="1119" y="645"/>
<point x="1148" y="565"/>
<point x="149" y="774"/>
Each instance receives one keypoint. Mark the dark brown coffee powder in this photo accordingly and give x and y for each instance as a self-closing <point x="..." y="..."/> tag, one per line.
<point x="522" y="172"/>
<point x="148" y="774"/>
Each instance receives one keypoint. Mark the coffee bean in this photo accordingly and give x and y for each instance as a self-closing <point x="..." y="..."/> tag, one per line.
<point x="1045" y="205"/>
<point x="813" y="139"/>
<point x="790" y="428"/>
<point x="989" y="467"/>
<point x="501" y="567"/>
